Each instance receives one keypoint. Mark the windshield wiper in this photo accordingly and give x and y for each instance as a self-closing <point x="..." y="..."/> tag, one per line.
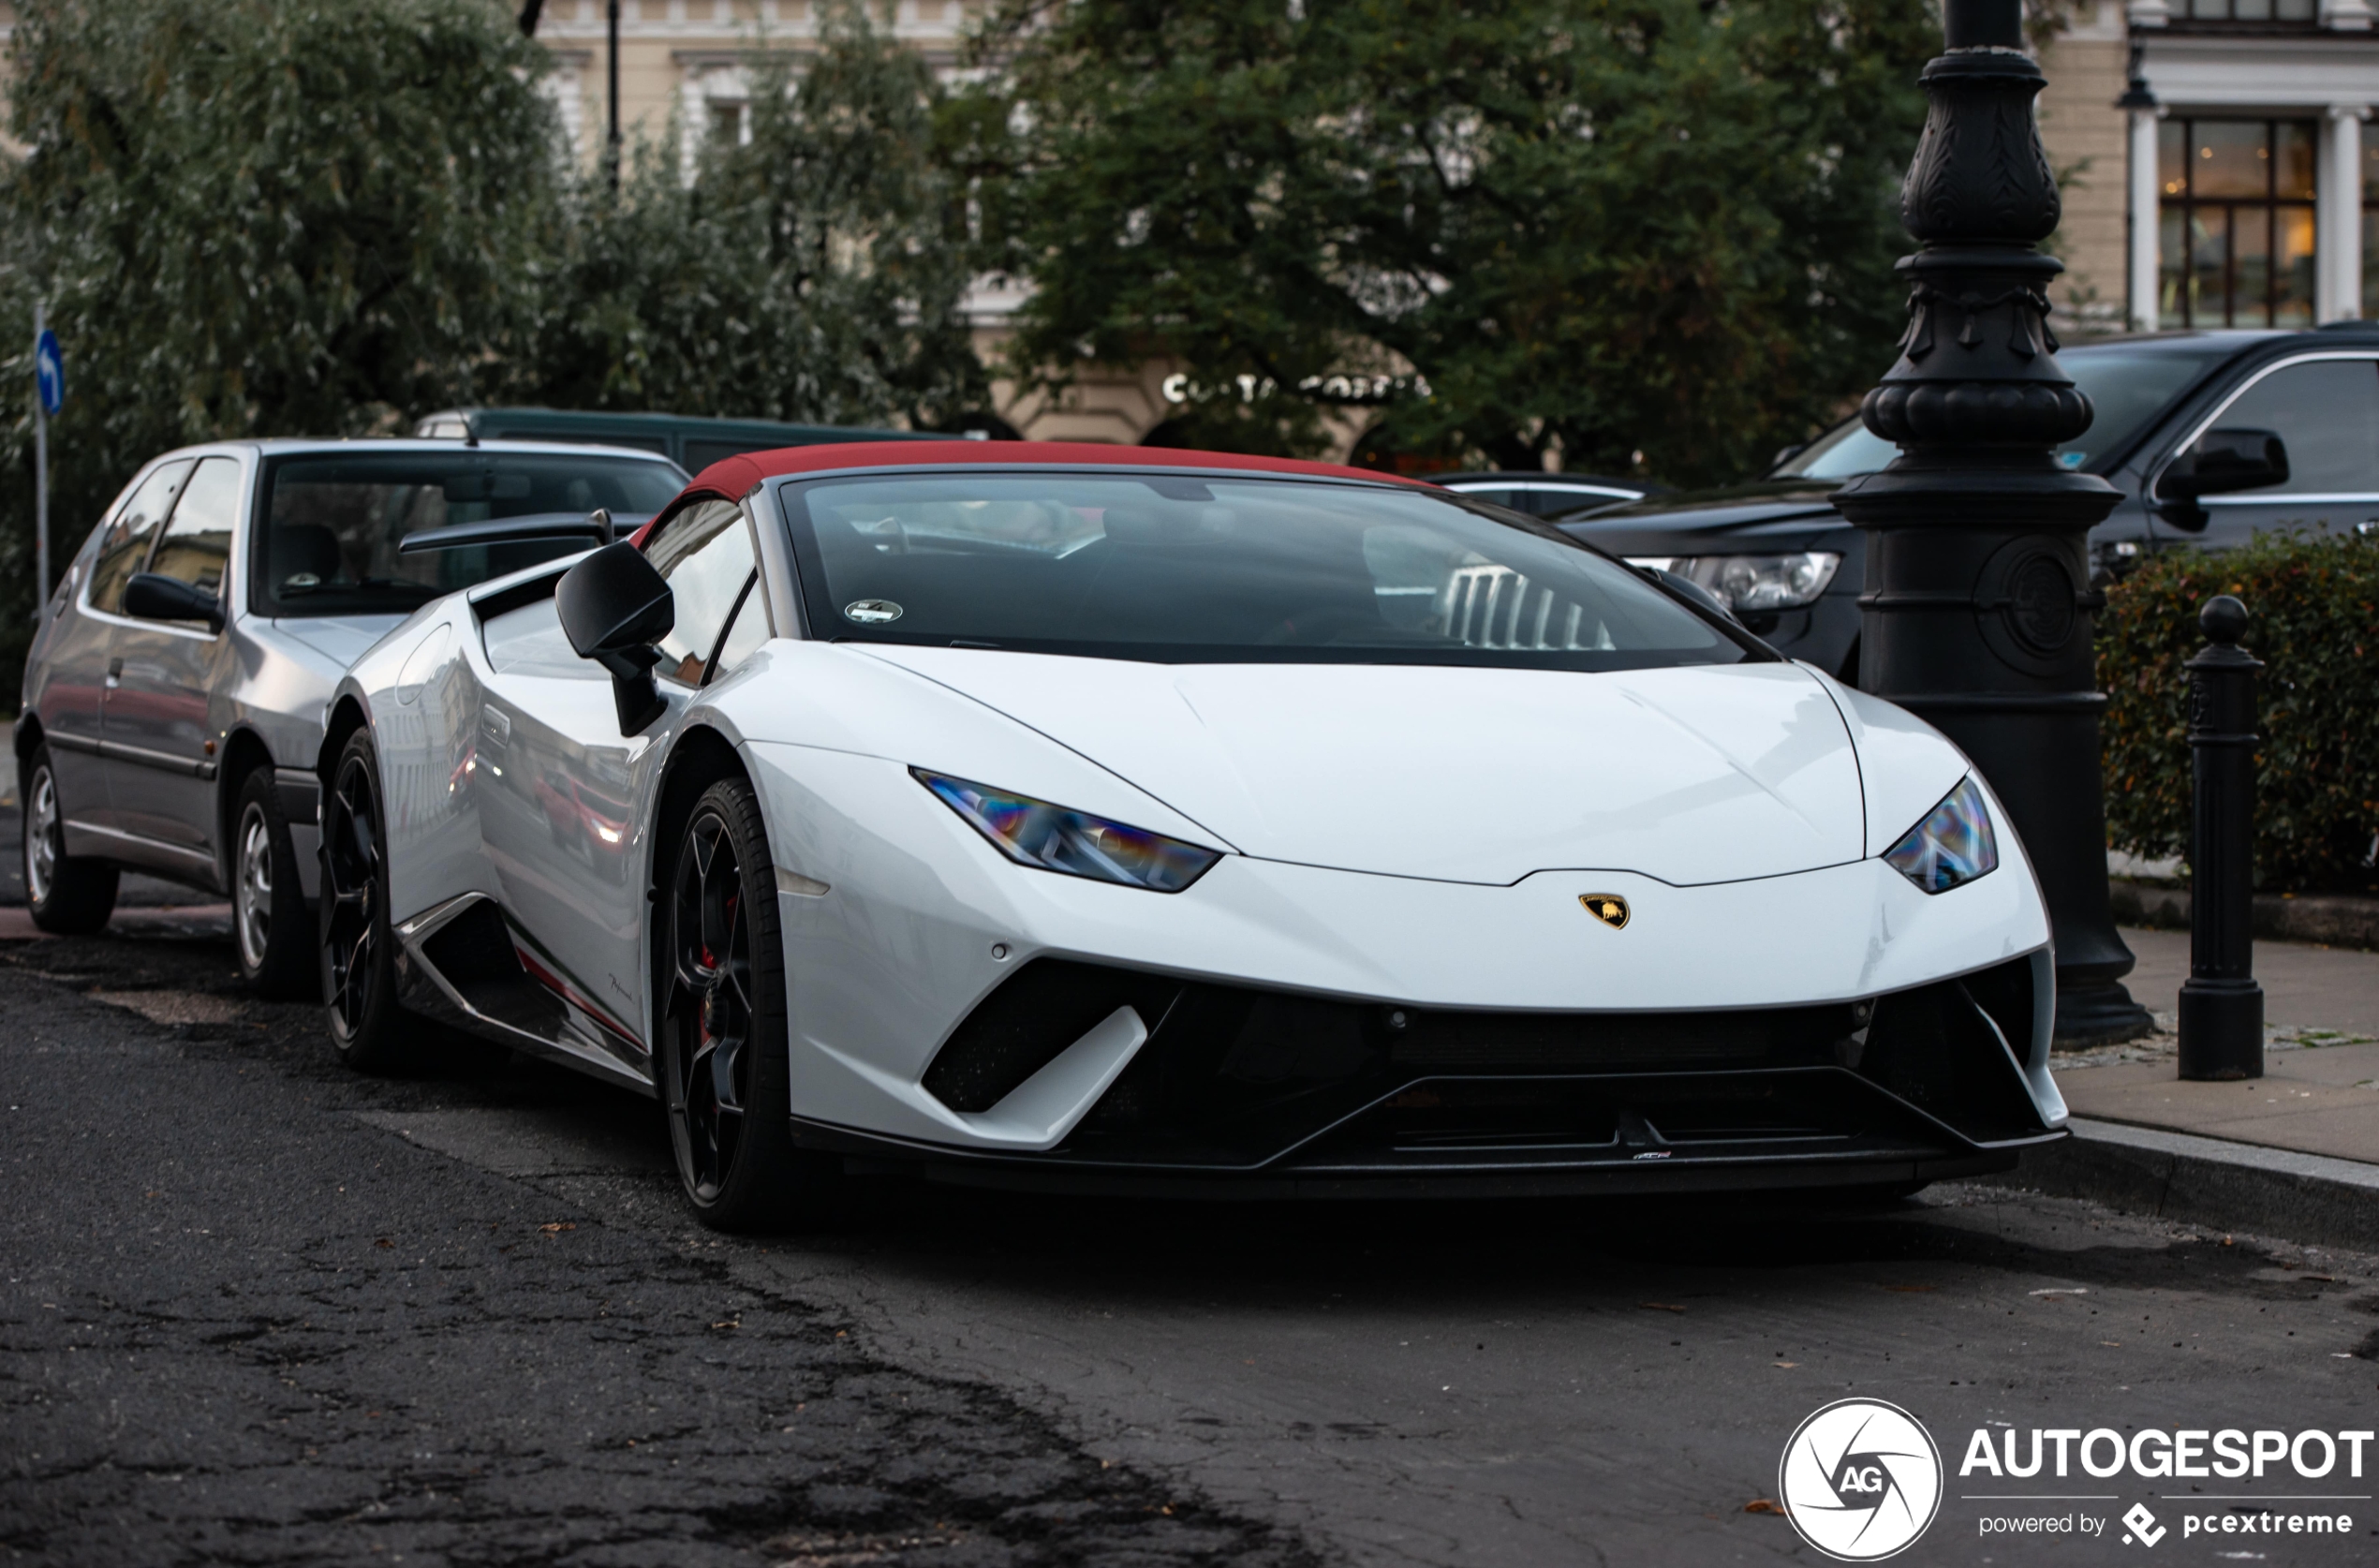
<point x="594" y="527"/>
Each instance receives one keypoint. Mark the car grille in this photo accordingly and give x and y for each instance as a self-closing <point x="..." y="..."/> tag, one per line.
<point x="1237" y="1077"/>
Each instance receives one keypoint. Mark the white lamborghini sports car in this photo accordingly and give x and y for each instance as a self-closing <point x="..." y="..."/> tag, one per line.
<point x="1147" y="821"/>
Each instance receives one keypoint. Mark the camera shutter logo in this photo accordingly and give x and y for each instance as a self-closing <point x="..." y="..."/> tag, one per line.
<point x="1860" y="1480"/>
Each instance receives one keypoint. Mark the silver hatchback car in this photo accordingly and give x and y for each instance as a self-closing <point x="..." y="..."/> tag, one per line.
<point x="172" y="708"/>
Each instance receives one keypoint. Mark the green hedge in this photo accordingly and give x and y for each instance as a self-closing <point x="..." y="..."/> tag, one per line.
<point x="2315" y="605"/>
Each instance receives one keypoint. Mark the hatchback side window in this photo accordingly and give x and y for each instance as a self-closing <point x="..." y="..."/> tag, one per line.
<point x="705" y="556"/>
<point x="197" y="546"/>
<point x="125" y="547"/>
<point x="2327" y="413"/>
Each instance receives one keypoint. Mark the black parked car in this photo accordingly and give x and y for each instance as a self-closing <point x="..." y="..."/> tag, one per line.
<point x="2212" y="437"/>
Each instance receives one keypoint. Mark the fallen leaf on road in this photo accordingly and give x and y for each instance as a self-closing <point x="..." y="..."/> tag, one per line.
<point x="384" y="1242"/>
<point x="2112" y="1344"/>
<point x="1788" y="1364"/>
<point x="1660" y="1306"/>
<point x="1763" y="1505"/>
<point x="550" y="1230"/>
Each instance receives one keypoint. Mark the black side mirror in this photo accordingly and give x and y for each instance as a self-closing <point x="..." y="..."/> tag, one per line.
<point x="2224" y="461"/>
<point x="613" y="607"/>
<point x="153" y="596"/>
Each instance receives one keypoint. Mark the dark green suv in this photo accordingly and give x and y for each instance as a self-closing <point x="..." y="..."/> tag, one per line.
<point x="692" y="443"/>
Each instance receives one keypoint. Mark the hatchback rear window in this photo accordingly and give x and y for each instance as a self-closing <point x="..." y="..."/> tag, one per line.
<point x="333" y="523"/>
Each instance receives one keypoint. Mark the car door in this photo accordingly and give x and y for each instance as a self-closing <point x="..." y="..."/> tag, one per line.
<point x="78" y="663"/>
<point x="158" y="725"/>
<point x="2324" y="408"/>
<point x="568" y="794"/>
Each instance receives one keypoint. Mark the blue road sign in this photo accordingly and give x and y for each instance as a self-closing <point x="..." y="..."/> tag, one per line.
<point x="50" y="370"/>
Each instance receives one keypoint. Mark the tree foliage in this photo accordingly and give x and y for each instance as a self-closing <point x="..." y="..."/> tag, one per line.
<point x="324" y="218"/>
<point x="814" y="272"/>
<point x="1611" y="224"/>
<point x="251" y="217"/>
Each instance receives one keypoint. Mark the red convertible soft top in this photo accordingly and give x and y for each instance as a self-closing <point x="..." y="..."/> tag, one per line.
<point x="733" y="477"/>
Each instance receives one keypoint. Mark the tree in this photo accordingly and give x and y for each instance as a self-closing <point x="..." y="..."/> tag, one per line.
<point x="253" y="218"/>
<point x="816" y="273"/>
<point x="262" y="217"/>
<point x="1605" y="226"/>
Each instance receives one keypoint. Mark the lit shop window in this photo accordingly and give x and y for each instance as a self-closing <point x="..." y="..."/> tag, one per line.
<point x="2256" y="13"/>
<point x="2235" y="247"/>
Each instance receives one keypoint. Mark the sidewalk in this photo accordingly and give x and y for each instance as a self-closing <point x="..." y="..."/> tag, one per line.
<point x="2295" y="1152"/>
<point x="2320" y="1089"/>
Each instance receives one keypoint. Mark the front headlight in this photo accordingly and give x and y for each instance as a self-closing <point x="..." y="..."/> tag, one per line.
<point x="1052" y="838"/>
<point x="1952" y="845"/>
<point x="1749" y="583"/>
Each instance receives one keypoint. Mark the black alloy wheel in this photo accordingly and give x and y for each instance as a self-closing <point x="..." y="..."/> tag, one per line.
<point x="358" y="950"/>
<point x="724" y="1079"/>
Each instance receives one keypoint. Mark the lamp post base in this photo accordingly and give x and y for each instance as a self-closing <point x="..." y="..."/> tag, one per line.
<point x="2222" y="1030"/>
<point x="2099" y="1013"/>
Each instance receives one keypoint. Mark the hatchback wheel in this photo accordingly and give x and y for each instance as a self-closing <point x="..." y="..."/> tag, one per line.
<point x="267" y="907"/>
<point x="69" y="895"/>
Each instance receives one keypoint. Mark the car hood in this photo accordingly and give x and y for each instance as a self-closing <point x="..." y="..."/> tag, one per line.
<point x="1695" y="775"/>
<point x="341" y="639"/>
<point x="1792" y="506"/>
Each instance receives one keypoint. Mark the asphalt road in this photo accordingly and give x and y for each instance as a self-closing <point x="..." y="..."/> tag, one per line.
<point x="257" y="1311"/>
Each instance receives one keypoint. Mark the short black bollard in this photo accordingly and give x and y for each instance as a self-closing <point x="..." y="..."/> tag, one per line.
<point x="2222" y="1008"/>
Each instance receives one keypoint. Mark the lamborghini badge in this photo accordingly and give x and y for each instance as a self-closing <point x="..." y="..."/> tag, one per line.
<point x="1608" y="908"/>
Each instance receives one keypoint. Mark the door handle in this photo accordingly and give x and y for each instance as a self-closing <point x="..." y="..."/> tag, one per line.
<point x="115" y="674"/>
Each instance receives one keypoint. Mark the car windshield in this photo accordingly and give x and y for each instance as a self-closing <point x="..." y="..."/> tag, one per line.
<point x="333" y="522"/>
<point x="1198" y="570"/>
<point x="2127" y="388"/>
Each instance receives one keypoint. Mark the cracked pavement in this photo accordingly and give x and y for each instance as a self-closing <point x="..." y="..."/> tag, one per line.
<point x="256" y="1309"/>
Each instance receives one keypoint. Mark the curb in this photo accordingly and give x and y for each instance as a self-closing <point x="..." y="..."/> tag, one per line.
<point x="2337" y="920"/>
<point x="2208" y="1181"/>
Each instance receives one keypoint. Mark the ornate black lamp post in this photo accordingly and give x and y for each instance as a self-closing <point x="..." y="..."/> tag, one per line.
<point x="1978" y="604"/>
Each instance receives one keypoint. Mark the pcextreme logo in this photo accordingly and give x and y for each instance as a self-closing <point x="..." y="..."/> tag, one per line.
<point x="1860" y="1480"/>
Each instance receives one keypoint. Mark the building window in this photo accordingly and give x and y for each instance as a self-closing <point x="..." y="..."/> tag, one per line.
<point x="2235" y="244"/>
<point x="726" y="124"/>
<point x="2369" y="223"/>
<point x="2254" y="13"/>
